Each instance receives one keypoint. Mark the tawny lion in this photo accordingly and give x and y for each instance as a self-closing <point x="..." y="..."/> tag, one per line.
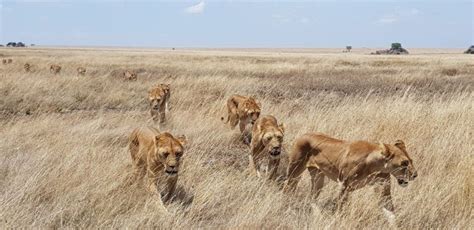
<point x="27" y="67"/>
<point x="267" y="141"/>
<point x="243" y="111"/>
<point x="159" y="97"/>
<point x="353" y="164"/>
<point x="130" y="75"/>
<point x="157" y="156"/>
<point x="55" y="69"/>
<point x="81" y="71"/>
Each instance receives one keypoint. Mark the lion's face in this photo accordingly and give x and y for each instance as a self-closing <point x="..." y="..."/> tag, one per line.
<point x="273" y="140"/>
<point x="400" y="164"/>
<point x="155" y="101"/>
<point x="252" y="109"/>
<point x="169" y="152"/>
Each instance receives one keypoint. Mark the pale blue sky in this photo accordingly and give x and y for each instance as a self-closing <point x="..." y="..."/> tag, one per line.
<point x="323" y="23"/>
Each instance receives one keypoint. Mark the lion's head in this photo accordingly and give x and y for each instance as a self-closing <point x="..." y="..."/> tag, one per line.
<point x="169" y="151"/>
<point x="157" y="96"/>
<point x="399" y="163"/>
<point x="252" y="109"/>
<point x="272" y="139"/>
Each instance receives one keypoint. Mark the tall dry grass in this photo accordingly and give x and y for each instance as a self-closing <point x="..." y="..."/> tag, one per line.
<point x="63" y="138"/>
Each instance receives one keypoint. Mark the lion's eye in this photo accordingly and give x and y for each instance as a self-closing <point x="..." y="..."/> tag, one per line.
<point x="179" y="154"/>
<point x="166" y="154"/>
<point x="268" y="138"/>
<point x="405" y="163"/>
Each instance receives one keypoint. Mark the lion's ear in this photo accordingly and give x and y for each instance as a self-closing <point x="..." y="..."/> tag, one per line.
<point x="384" y="150"/>
<point x="400" y="144"/>
<point x="282" y="127"/>
<point x="182" y="140"/>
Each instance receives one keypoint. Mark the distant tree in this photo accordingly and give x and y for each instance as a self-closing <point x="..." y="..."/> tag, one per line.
<point x="11" y="44"/>
<point x="20" y="44"/>
<point x="348" y="48"/>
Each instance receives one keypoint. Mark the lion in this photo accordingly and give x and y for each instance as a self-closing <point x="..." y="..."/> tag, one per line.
<point x="352" y="164"/>
<point x="130" y="75"/>
<point x="81" y="71"/>
<point x="4" y="61"/>
<point x="267" y="141"/>
<point x="242" y="110"/>
<point x="9" y="61"/>
<point x="159" y="97"/>
<point x="55" y="69"/>
<point x="27" y="67"/>
<point x="157" y="156"/>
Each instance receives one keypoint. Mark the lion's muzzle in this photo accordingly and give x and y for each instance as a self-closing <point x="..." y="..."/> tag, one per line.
<point x="171" y="170"/>
<point x="275" y="152"/>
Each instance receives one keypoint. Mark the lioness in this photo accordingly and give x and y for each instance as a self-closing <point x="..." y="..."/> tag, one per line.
<point x="159" y="97"/>
<point x="352" y="164"/>
<point x="130" y="75"/>
<point x="27" y="67"/>
<point x="81" y="71"/>
<point x="157" y="156"/>
<point x="242" y="110"/>
<point x="55" y="69"/>
<point x="267" y="140"/>
<point x="9" y="61"/>
<point x="4" y="61"/>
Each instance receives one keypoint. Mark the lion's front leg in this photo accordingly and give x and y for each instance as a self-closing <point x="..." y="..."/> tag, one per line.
<point x="162" y="113"/>
<point x="169" y="189"/>
<point x="383" y="187"/>
<point x="273" y="168"/>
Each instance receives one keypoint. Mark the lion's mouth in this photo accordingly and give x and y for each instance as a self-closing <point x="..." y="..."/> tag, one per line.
<point x="171" y="172"/>
<point x="402" y="182"/>
<point x="275" y="152"/>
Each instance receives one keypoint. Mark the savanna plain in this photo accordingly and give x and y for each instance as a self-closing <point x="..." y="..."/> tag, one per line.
<point x="64" y="161"/>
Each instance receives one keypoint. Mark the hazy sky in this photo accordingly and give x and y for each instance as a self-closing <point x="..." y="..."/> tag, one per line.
<point x="323" y="23"/>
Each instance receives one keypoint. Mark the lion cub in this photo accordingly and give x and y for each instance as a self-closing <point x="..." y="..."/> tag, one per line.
<point x="157" y="156"/>
<point x="352" y="164"/>
<point x="242" y="110"/>
<point x="55" y="69"/>
<point x="81" y="71"/>
<point x="159" y="97"/>
<point x="130" y="75"/>
<point x="267" y="140"/>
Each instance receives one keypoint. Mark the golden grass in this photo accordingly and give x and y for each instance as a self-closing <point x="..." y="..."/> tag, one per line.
<point x="63" y="138"/>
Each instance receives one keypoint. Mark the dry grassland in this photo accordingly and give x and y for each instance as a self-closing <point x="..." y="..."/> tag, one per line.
<point x="64" y="161"/>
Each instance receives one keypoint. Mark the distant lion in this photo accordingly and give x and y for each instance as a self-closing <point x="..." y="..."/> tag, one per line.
<point x="9" y="61"/>
<point x="55" y="69"/>
<point x="4" y="61"/>
<point x="130" y="75"/>
<point x="242" y="110"/>
<point x="157" y="156"/>
<point x="27" y="67"/>
<point x="267" y="141"/>
<point x="159" y="97"/>
<point x="353" y="164"/>
<point x="81" y="71"/>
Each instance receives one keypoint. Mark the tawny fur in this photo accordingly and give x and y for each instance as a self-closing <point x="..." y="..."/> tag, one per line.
<point x="81" y="71"/>
<point x="130" y="75"/>
<point x="242" y="110"/>
<point x="267" y="141"/>
<point x="352" y="164"/>
<point x="158" y="98"/>
<point x="55" y="69"/>
<point x="157" y="156"/>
